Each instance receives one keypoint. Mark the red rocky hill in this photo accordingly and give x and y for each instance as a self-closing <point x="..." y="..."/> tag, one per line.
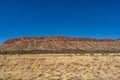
<point x="59" y="43"/>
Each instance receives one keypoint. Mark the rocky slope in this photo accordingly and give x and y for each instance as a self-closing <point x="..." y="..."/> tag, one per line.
<point x="59" y="43"/>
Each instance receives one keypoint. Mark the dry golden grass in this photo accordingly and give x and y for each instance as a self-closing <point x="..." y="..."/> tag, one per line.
<point x="60" y="67"/>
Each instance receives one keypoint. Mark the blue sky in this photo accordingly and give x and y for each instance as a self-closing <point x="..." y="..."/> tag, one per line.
<point x="75" y="18"/>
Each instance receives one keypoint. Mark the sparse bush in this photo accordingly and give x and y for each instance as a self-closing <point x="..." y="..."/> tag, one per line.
<point x="64" y="51"/>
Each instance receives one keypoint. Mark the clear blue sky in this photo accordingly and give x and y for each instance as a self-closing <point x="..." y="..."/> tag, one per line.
<point x="76" y="18"/>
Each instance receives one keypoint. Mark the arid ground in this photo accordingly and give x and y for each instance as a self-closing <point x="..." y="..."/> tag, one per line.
<point x="60" y="67"/>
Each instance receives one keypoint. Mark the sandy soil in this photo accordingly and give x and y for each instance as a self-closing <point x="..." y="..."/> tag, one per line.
<point x="60" y="67"/>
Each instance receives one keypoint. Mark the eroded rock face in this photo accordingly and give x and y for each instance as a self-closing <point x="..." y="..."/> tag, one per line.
<point x="57" y="38"/>
<point x="59" y="43"/>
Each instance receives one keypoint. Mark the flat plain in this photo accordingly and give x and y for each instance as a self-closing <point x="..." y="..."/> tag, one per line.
<point x="60" y="67"/>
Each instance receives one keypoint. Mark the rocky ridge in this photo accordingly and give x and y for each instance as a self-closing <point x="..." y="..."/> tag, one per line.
<point x="59" y="43"/>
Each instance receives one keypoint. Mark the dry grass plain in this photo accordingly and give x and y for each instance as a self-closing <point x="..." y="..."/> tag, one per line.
<point x="60" y="67"/>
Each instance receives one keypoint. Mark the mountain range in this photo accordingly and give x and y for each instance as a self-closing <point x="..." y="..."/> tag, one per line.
<point x="60" y="43"/>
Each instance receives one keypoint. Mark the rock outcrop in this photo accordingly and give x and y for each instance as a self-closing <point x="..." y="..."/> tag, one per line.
<point x="59" y="43"/>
